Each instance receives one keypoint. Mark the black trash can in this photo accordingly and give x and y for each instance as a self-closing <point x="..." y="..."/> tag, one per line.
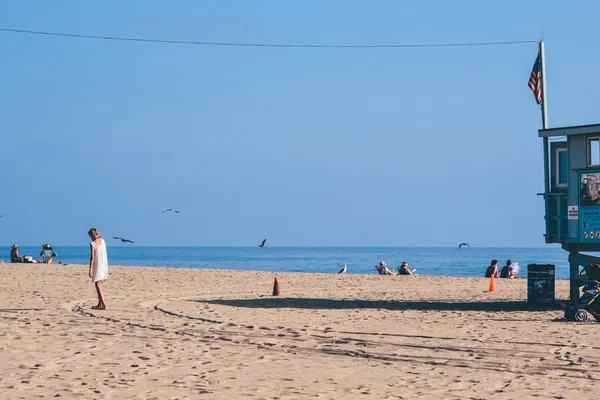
<point x="540" y="283"/>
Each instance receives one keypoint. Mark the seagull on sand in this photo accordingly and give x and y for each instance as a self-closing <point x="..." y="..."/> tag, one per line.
<point x="123" y="240"/>
<point x="263" y="244"/>
<point x="343" y="270"/>
<point x="171" y="210"/>
<point x="463" y="244"/>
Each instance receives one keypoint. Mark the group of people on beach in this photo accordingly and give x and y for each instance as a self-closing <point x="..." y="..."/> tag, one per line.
<point x="47" y="254"/>
<point x="98" y="270"/>
<point x="403" y="269"/>
<point x="509" y="271"/>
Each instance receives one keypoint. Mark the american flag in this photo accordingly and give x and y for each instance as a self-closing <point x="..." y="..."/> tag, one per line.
<point x="535" y="80"/>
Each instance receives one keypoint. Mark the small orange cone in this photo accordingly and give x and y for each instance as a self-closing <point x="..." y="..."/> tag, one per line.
<point x="492" y="284"/>
<point x="276" y="291"/>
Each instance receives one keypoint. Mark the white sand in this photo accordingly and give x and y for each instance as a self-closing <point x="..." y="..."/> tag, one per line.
<point x="183" y="333"/>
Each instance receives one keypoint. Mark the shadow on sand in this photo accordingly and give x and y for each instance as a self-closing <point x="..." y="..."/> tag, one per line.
<point x="329" y="304"/>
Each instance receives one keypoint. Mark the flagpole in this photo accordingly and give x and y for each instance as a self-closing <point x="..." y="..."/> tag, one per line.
<point x="544" y="119"/>
<point x="544" y="102"/>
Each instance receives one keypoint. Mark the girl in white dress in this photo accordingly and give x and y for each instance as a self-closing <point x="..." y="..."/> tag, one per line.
<point x="98" y="265"/>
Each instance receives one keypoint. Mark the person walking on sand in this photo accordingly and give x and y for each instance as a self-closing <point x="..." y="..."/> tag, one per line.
<point x="98" y="265"/>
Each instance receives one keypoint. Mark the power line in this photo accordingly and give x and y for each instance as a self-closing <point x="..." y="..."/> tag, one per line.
<point x="233" y="44"/>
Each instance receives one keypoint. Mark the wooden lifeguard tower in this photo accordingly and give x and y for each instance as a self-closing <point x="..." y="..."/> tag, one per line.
<point x="572" y="197"/>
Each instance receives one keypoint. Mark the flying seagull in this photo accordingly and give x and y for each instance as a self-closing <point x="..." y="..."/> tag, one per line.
<point x="463" y="244"/>
<point x="123" y="240"/>
<point x="263" y="244"/>
<point x="343" y="270"/>
<point x="171" y="210"/>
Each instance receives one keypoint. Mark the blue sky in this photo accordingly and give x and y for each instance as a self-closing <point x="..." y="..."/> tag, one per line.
<point x="307" y="147"/>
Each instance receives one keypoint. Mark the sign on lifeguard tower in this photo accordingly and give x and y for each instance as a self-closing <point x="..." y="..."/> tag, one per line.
<point x="589" y="206"/>
<point x="573" y="212"/>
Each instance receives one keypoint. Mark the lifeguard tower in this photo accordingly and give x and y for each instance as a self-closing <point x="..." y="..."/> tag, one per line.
<point x="572" y="196"/>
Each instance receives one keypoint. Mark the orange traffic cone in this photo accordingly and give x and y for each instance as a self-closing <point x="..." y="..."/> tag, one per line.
<point x="492" y="284"/>
<point x="276" y="291"/>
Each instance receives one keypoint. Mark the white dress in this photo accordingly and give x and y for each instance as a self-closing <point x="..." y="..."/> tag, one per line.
<point x="100" y="265"/>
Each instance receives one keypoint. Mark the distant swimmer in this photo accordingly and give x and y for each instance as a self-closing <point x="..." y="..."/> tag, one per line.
<point x="463" y="244"/>
<point x="263" y="244"/>
<point x="171" y="210"/>
<point x="123" y="240"/>
<point x="343" y="270"/>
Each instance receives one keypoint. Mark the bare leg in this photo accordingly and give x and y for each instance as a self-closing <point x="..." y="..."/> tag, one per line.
<point x="97" y="306"/>
<point x="101" y="305"/>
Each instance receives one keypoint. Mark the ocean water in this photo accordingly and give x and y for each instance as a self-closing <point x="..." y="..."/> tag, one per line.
<point x="469" y="262"/>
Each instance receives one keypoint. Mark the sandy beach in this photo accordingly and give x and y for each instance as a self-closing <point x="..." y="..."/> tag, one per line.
<point x="188" y="334"/>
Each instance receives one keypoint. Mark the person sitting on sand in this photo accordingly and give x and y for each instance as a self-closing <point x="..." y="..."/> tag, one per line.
<point x="492" y="270"/>
<point x="47" y="254"/>
<point x="383" y="269"/>
<point x="404" y="270"/>
<point x="507" y="270"/>
<point x="510" y="270"/>
<point x="14" y="255"/>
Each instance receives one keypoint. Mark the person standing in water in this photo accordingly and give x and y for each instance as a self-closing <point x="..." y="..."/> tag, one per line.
<point x="98" y="265"/>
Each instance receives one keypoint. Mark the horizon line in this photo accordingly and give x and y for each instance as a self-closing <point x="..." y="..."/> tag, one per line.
<point x="299" y="247"/>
